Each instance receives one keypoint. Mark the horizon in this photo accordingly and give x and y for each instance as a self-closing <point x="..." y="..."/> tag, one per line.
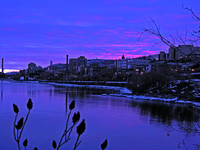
<point x="14" y="70"/>
<point x="47" y="31"/>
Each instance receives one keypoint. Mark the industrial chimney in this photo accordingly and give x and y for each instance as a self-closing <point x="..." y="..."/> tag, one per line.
<point x="66" y="64"/>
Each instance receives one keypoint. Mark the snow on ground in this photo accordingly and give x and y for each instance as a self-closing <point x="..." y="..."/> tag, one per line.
<point x="124" y="92"/>
<point x="121" y="89"/>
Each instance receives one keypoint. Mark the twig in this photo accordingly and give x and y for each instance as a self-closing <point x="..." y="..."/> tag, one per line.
<point x="65" y="132"/>
<point x="14" y="126"/>
<point x="77" y="142"/>
<point x="24" y="124"/>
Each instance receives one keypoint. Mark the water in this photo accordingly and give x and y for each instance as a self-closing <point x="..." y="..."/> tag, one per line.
<point x="127" y="124"/>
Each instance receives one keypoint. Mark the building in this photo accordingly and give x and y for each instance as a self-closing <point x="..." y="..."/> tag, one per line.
<point x="95" y="62"/>
<point x="182" y="51"/>
<point x="73" y="66"/>
<point x="32" y="68"/>
<point x="162" y="56"/>
<point x="78" y="65"/>
<point x="122" y="64"/>
<point x="109" y="63"/>
<point x="153" y="57"/>
<point x="132" y="64"/>
<point x="82" y="61"/>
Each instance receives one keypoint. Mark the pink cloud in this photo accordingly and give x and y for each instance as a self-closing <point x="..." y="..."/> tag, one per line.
<point x="150" y="52"/>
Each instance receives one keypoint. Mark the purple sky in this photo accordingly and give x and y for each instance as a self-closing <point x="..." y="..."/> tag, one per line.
<point x="43" y="30"/>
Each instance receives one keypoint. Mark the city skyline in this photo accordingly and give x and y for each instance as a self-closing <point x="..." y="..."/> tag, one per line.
<point x="48" y="30"/>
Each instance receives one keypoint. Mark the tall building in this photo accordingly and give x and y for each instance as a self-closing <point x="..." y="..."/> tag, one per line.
<point x="67" y="64"/>
<point x="176" y="53"/>
<point x="32" y="67"/>
<point x="77" y="65"/>
<point x="162" y="56"/>
<point x="82" y="61"/>
<point x="73" y="66"/>
<point x="82" y="65"/>
<point x="172" y="52"/>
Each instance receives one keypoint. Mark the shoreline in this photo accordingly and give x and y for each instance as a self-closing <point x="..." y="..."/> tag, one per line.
<point x="123" y="92"/>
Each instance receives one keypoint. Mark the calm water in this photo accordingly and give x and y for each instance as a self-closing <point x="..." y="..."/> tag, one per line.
<point x="127" y="124"/>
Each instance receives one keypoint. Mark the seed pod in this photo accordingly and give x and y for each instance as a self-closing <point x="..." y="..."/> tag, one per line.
<point x="104" y="145"/>
<point x="19" y="124"/>
<point x="25" y="142"/>
<point x="76" y="117"/>
<point x="72" y="105"/>
<point x="30" y="104"/>
<point x="54" y="144"/>
<point x="81" y="127"/>
<point x="15" y="108"/>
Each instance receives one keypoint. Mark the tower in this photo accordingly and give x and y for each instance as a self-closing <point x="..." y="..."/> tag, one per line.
<point x="66" y="64"/>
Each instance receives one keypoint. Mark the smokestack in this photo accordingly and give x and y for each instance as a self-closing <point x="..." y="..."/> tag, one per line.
<point x="66" y="64"/>
<point x="2" y="66"/>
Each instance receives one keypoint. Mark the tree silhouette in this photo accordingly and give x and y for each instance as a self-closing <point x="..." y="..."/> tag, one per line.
<point x="66" y="136"/>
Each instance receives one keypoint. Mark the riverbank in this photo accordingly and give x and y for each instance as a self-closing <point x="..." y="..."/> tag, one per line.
<point x="122" y="91"/>
<point x="125" y="92"/>
<point x="102" y="83"/>
<point x="156" y="99"/>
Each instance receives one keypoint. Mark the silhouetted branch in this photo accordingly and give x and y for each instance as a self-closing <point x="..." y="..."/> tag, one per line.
<point x="77" y="142"/>
<point x="24" y="124"/>
<point x="67" y="132"/>
<point x="67" y="123"/>
<point x="14" y="127"/>
<point x="20" y="124"/>
<point x="192" y="12"/>
<point x="157" y="33"/>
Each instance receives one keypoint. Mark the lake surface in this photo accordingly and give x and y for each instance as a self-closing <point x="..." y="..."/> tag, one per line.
<point x="127" y="124"/>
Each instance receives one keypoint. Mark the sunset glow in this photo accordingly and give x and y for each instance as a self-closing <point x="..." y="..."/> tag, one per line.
<point x="48" y="30"/>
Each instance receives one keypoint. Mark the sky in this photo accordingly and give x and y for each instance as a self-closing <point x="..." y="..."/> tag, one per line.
<point x="41" y="31"/>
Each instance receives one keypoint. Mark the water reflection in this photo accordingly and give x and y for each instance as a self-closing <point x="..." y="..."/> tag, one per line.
<point x="186" y="116"/>
<point x="67" y="100"/>
<point x="118" y="118"/>
<point x="156" y="111"/>
<point x="166" y="113"/>
<point x="82" y="92"/>
<point x="1" y="91"/>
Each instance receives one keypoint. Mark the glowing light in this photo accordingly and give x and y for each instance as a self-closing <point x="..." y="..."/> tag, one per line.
<point x="9" y="70"/>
